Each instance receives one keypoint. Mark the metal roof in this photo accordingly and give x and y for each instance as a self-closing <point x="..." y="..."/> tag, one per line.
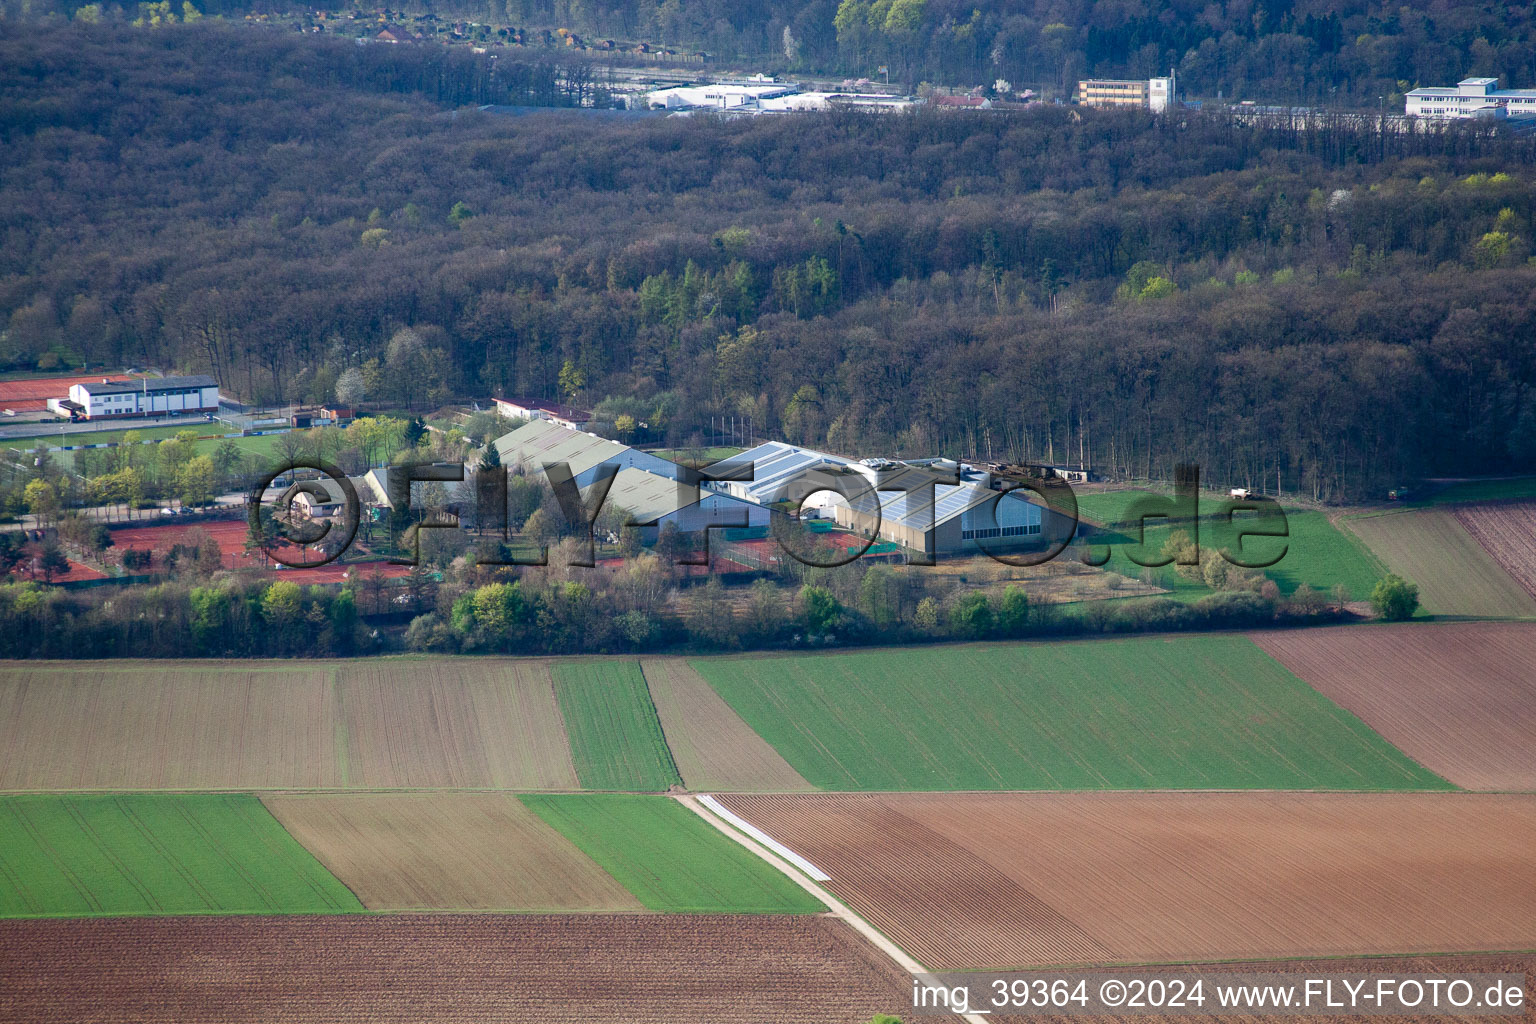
<point x="540" y="441"/>
<point x="774" y="464"/>
<point x="149" y="384"/>
<point x="649" y="496"/>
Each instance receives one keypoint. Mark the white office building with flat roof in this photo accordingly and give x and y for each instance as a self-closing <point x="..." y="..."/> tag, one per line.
<point x="1471" y="97"/>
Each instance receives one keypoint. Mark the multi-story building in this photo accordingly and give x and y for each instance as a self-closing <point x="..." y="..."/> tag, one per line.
<point x="1155" y="94"/>
<point x="1472" y="97"/>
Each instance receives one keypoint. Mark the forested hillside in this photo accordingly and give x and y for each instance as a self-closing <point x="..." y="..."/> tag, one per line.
<point x="1349" y="52"/>
<point x="1344" y="308"/>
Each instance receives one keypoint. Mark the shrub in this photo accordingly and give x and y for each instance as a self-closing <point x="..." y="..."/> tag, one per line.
<point x="1394" y="598"/>
<point x="1234" y="608"/>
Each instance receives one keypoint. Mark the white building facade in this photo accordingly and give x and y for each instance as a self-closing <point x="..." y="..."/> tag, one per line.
<point x="1471" y="97"/>
<point x="148" y="397"/>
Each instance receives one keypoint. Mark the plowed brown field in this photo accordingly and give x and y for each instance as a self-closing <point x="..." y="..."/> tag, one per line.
<point x="999" y="880"/>
<point x="1459" y="698"/>
<point x="447" y="851"/>
<point x="444" y="969"/>
<point x="207" y="725"/>
<point x="713" y="748"/>
<point x="1508" y="531"/>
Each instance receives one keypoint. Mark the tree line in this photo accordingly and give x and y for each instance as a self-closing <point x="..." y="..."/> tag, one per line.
<point x="1348" y="53"/>
<point x="1326" y="309"/>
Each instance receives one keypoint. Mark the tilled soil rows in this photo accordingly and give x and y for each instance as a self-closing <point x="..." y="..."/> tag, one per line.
<point x="1459" y="697"/>
<point x="444" y="969"/>
<point x="979" y="880"/>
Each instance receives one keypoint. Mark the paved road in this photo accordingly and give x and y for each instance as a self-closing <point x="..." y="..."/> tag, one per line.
<point x="53" y="431"/>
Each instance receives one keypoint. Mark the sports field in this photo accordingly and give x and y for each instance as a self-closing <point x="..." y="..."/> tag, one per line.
<point x="616" y="738"/>
<point x="1004" y="880"/>
<point x="1459" y="697"/>
<point x="30" y="394"/>
<point x="229" y="534"/>
<point x="669" y="857"/>
<point x="714" y="749"/>
<point x="1189" y="712"/>
<point x="364" y="724"/>
<point x="1454" y="573"/>
<point x="448" y="851"/>
<point x="79" y="856"/>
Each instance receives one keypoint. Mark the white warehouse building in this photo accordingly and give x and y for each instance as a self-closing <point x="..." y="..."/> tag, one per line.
<point x="148" y="397"/>
<point x="720" y="95"/>
<point x="1472" y="97"/>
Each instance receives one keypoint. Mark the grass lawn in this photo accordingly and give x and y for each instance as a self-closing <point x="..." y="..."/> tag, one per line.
<point x="1194" y="712"/>
<point x="87" y="856"/>
<point x="669" y="857"/>
<point x="1316" y="553"/>
<point x="616" y="738"/>
<point x="696" y="454"/>
<point x="1321" y="556"/>
<point x="114" y="436"/>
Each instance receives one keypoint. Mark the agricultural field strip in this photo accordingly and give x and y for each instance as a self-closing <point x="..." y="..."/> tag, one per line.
<point x="1175" y="877"/>
<point x="368" y="724"/>
<point x="735" y="820"/>
<point x="710" y="744"/>
<point x="1455" y="574"/>
<point x="1458" y="698"/>
<point x="75" y="855"/>
<point x="730" y="824"/>
<point x="1188" y="712"/>
<point x="448" y="851"/>
<point x="615" y="734"/>
<point x="1507" y="531"/>
<point x="447" y="968"/>
<point x="950" y="906"/>
<point x="666" y="857"/>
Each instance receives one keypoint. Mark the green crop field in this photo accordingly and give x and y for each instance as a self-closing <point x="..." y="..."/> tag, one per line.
<point x="616" y="739"/>
<point x="670" y="858"/>
<point x="87" y="856"/>
<point x="1481" y="490"/>
<point x="1201" y="712"/>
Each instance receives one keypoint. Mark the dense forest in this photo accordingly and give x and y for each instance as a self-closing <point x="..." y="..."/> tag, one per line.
<point x="1332" y="309"/>
<point x="1320" y="51"/>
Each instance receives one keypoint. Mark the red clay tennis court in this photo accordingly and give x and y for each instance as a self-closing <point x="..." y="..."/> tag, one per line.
<point x="229" y="534"/>
<point x="32" y="395"/>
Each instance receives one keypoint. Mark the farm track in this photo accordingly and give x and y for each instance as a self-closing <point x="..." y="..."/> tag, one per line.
<point x="445" y="969"/>
<point x="1459" y="698"/>
<point x="1170" y="877"/>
